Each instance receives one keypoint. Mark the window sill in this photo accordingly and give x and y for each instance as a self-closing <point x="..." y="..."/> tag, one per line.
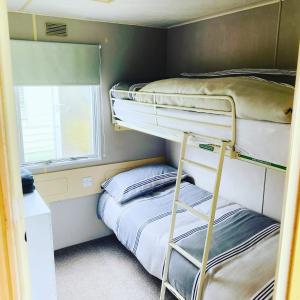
<point x="43" y="168"/>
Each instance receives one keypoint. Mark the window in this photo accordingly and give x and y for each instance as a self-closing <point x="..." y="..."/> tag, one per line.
<point x="57" y="123"/>
<point x="57" y="94"/>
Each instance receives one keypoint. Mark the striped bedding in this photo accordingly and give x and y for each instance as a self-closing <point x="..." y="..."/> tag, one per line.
<point x="242" y="258"/>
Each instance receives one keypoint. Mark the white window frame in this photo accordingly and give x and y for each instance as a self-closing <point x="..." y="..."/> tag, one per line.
<point x="65" y="163"/>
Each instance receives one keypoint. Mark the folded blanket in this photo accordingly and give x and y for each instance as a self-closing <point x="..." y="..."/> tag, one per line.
<point x="254" y="98"/>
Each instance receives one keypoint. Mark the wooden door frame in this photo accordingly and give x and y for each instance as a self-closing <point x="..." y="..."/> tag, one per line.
<point x="288" y="268"/>
<point x="14" y="274"/>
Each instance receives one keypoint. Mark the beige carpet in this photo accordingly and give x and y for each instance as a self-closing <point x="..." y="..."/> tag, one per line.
<point x="103" y="269"/>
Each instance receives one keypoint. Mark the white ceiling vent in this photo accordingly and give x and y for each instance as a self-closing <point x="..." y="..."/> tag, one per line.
<point x="56" y="29"/>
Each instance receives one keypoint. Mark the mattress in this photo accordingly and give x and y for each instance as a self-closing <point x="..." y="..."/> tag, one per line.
<point x="243" y="255"/>
<point x="254" y="98"/>
<point x="261" y="140"/>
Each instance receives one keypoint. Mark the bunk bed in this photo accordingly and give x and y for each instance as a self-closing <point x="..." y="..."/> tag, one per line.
<point x="251" y="109"/>
<point x="240" y="114"/>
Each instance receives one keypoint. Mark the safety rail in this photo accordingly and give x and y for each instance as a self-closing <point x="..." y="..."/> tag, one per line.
<point x="231" y="113"/>
<point x="210" y="143"/>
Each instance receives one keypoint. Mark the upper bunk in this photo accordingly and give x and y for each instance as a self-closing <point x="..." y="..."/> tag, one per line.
<point x="249" y="108"/>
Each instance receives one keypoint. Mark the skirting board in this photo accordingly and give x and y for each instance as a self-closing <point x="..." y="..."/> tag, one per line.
<point x="69" y="184"/>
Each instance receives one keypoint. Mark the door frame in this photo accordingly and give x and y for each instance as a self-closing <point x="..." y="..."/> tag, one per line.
<point x="288" y="266"/>
<point x="14" y="270"/>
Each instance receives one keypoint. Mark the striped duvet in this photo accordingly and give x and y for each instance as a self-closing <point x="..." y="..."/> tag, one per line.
<point x="242" y="258"/>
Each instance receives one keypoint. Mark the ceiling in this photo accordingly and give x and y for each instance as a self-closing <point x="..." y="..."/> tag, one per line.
<point x="153" y="13"/>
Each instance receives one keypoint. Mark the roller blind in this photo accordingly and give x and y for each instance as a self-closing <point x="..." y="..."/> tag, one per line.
<point x="51" y="63"/>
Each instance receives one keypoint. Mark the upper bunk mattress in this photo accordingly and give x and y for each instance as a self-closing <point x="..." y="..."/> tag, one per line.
<point x="266" y="141"/>
<point x="254" y="98"/>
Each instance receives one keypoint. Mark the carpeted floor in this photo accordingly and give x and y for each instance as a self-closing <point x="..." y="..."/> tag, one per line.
<point x="103" y="269"/>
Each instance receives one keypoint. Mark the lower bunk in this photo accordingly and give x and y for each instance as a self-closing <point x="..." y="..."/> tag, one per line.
<point x="243" y="254"/>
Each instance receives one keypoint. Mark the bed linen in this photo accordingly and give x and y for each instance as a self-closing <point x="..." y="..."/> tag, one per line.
<point x="266" y="141"/>
<point x="138" y="181"/>
<point x="244" y="241"/>
<point x="276" y="75"/>
<point x="254" y="98"/>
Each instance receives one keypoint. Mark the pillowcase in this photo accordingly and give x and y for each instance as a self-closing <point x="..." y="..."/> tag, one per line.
<point x="136" y="182"/>
<point x="275" y="75"/>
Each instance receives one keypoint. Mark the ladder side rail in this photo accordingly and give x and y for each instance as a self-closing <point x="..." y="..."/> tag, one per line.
<point x="233" y="123"/>
<point x="173" y="218"/>
<point x="211" y="222"/>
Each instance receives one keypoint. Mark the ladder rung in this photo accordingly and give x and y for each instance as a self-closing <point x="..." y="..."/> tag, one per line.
<point x="217" y="141"/>
<point x="199" y="165"/>
<point x="185" y="254"/>
<point x="193" y="211"/>
<point x="173" y="291"/>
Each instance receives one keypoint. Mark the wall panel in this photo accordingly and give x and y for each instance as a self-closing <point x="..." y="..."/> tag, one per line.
<point x="289" y="35"/>
<point x="239" y="40"/>
<point x="128" y="53"/>
<point x="263" y="37"/>
<point x="236" y="174"/>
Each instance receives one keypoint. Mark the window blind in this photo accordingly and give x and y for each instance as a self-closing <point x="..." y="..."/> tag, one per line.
<point x="52" y="63"/>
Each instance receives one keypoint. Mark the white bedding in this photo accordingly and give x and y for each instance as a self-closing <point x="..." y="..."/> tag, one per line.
<point x="262" y="140"/>
<point x="244" y="245"/>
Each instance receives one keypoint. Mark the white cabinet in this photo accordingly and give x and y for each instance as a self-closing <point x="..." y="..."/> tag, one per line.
<point x="40" y="247"/>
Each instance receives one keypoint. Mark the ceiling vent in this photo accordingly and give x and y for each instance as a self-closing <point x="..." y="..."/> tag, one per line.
<point x="56" y="29"/>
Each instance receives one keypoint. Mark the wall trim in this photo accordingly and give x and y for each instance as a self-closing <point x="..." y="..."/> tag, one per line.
<point x="83" y="19"/>
<point x="212" y="16"/>
<point x="14" y="268"/>
<point x="229" y="12"/>
<point x="277" y="34"/>
<point x="81" y="182"/>
<point x="286" y="282"/>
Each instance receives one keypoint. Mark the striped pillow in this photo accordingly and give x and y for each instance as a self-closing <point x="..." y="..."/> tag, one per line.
<point x="136" y="182"/>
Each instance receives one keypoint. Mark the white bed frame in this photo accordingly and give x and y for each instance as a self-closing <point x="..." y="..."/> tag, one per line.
<point x="210" y="143"/>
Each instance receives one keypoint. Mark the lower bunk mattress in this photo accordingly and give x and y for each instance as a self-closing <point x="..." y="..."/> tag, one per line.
<point x="242" y="259"/>
<point x="261" y="140"/>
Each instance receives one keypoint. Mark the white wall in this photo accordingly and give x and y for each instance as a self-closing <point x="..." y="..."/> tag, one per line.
<point x="274" y="193"/>
<point x="74" y="221"/>
<point x="242" y="182"/>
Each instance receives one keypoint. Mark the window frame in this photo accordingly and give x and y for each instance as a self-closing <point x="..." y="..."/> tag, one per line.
<point x="70" y="162"/>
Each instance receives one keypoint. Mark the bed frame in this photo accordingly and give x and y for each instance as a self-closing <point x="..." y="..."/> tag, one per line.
<point x="210" y="143"/>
